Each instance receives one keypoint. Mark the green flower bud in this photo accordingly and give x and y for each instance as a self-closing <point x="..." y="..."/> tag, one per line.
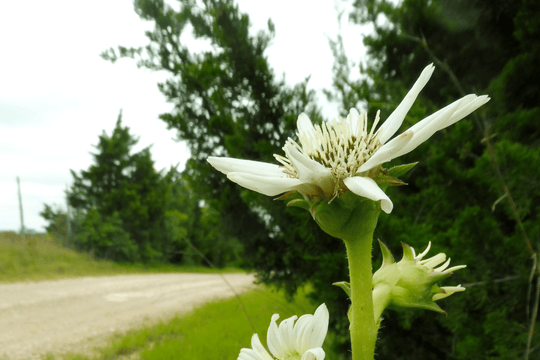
<point x="412" y="282"/>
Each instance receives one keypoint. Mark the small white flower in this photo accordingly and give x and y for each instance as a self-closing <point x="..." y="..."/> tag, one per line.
<point x="344" y="155"/>
<point x="412" y="282"/>
<point x="442" y="270"/>
<point x="290" y="341"/>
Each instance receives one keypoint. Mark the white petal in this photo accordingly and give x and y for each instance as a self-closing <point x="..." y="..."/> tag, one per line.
<point x="448" y="290"/>
<point x="424" y="129"/>
<point x="310" y="330"/>
<point x="314" y="354"/>
<point x="280" y="339"/>
<point x="394" y="121"/>
<point x="447" y="116"/>
<point x="454" y="268"/>
<point x="368" y="188"/>
<point x="274" y="339"/>
<point x="301" y="333"/>
<point x="309" y="171"/>
<point x="249" y="354"/>
<point x="259" y="348"/>
<point x="307" y="334"/>
<point x="434" y="261"/>
<point x="227" y="165"/>
<point x="440" y="296"/>
<point x="443" y="266"/>
<point x="453" y="289"/>
<point x="387" y="152"/>
<point x="286" y="329"/>
<point x="436" y="116"/>
<point x="304" y="124"/>
<point x="354" y="119"/>
<point x="424" y="253"/>
<point x="466" y="108"/>
<point x="320" y="326"/>
<point x="270" y="186"/>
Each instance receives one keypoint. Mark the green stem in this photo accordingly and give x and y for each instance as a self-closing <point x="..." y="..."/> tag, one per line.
<point x="363" y="326"/>
<point x="353" y="219"/>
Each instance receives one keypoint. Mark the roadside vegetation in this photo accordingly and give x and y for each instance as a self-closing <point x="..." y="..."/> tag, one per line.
<point x="42" y="257"/>
<point x="474" y="194"/>
<point x="206" y="333"/>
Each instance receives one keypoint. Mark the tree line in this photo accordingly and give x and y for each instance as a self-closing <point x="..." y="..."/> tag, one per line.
<point x="124" y="210"/>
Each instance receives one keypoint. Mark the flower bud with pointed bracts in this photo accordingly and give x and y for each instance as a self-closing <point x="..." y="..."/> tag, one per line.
<point x="412" y="282"/>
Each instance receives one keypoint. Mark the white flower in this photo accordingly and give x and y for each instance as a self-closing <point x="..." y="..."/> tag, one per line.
<point x="344" y="155"/>
<point x="290" y="341"/>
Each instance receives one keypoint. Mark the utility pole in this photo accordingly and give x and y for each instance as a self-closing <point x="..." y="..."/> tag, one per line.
<point x="21" y="233"/>
<point x="68" y="213"/>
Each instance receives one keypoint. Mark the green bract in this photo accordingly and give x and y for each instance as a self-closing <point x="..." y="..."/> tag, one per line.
<point x="412" y="282"/>
<point x="346" y="217"/>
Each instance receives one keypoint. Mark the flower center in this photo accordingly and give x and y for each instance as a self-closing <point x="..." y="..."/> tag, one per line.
<point x="340" y="145"/>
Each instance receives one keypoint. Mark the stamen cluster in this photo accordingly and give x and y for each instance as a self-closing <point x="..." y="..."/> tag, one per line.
<point x="340" y="145"/>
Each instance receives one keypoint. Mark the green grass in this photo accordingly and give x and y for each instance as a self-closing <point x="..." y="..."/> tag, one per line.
<point x="215" y="331"/>
<point x="41" y="257"/>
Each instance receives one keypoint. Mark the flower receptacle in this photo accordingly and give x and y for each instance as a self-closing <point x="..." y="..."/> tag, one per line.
<point x="347" y="217"/>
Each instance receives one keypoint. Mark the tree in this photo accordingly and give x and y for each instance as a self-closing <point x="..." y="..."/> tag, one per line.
<point x="198" y="230"/>
<point x="58" y="224"/>
<point x="229" y="103"/>
<point x="122" y="197"/>
<point x="454" y="194"/>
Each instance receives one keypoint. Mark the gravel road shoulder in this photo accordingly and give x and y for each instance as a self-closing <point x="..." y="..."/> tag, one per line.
<point x="51" y="316"/>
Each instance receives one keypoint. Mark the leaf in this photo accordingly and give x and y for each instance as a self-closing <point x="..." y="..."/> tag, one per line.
<point x="301" y="203"/>
<point x="400" y="170"/>
<point x="288" y="195"/>
<point x="345" y="286"/>
<point x="389" y="180"/>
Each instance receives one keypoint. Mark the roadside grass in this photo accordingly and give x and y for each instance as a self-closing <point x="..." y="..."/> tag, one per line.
<point x="217" y="330"/>
<point x="41" y="257"/>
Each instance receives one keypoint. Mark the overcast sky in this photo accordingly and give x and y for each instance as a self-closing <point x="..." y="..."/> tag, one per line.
<point x="57" y="95"/>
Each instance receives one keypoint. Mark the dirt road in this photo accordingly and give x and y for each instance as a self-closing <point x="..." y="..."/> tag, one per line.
<point x="38" y="317"/>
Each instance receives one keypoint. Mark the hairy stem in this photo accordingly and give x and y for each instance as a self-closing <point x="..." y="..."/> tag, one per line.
<point x="363" y="327"/>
